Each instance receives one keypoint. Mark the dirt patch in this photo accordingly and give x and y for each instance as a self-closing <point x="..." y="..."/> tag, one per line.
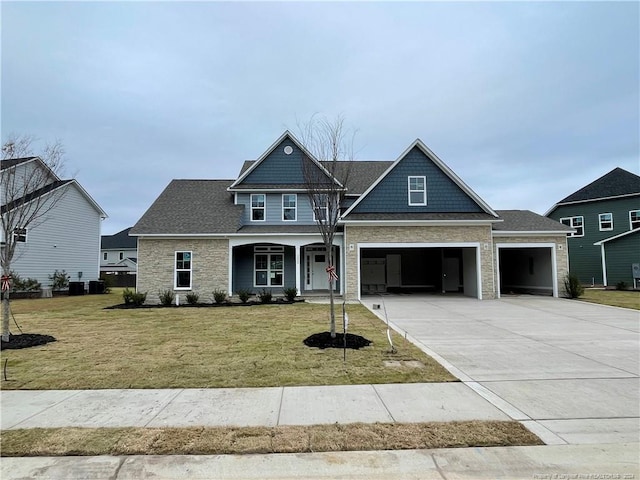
<point x="323" y="340"/>
<point x="26" y="340"/>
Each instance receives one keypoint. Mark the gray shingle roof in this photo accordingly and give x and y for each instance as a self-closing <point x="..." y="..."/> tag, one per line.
<point x="527" y="221"/>
<point x="278" y="229"/>
<point x="191" y="206"/>
<point x="10" y="162"/>
<point x="120" y="240"/>
<point x="615" y="183"/>
<point x="33" y="195"/>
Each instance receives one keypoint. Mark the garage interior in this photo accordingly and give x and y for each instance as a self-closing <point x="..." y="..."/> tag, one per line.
<point x="525" y="271"/>
<point x="419" y="269"/>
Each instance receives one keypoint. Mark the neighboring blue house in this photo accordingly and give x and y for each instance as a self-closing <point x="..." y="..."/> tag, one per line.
<point x="406" y="225"/>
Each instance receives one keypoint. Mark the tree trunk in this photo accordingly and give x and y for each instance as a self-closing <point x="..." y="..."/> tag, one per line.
<point x="5" y="316"/>
<point x="332" y="313"/>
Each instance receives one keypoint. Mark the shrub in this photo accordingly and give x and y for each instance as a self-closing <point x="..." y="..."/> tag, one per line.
<point x="243" y="295"/>
<point x="166" y="297"/>
<point x="265" y="296"/>
<point x="573" y="286"/>
<point x="59" y="280"/>
<point x="290" y="293"/>
<point x="192" y="298"/>
<point x="133" y="298"/>
<point x="622" y="285"/>
<point x="219" y="296"/>
<point x="20" y="285"/>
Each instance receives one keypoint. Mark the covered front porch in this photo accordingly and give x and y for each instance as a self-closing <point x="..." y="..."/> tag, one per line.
<point x="274" y="264"/>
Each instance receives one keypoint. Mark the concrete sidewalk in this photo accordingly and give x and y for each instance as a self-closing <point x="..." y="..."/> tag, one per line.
<point x="417" y="402"/>
<point x="611" y="461"/>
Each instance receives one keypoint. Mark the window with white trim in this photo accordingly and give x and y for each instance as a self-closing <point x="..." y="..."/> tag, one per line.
<point x="183" y="269"/>
<point x="268" y="266"/>
<point x="20" y="235"/>
<point x="321" y="207"/>
<point x="634" y="219"/>
<point x="605" y="220"/>
<point x="576" y="223"/>
<point x="258" y="207"/>
<point x="289" y="207"/>
<point x="417" y="190"/>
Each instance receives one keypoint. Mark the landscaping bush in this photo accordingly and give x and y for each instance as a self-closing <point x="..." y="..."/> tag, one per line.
<point x="192" y="298"/>
<point x="573" y="286"/>
<point x="26" y="285"/>
<point x="622" y="285"/>
<point x="265" y="296"/>
<point x="290" y="293"/>
<point x="220" y="296"/>
<point x="59" y="280"/>
<point x="243" y="295"/>
<point x="133" y="298"/>
<point x="166" y="297"/>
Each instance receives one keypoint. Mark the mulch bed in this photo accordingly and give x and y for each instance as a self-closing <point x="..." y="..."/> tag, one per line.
<point x="323" y="340"/>
<point x="25" y="340"/>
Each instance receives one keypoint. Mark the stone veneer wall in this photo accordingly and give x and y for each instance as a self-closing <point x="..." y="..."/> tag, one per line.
<point x="210" y="266"/>
<point x="437" y="234"/>
<point x="562" y="254"/>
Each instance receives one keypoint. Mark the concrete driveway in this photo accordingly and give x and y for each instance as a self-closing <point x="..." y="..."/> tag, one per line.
<point x="567" y="369"/>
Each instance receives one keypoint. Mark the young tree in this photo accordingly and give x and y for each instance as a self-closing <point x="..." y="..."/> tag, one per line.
<point x="27" y="195"/>
<point x="329" y="142"/>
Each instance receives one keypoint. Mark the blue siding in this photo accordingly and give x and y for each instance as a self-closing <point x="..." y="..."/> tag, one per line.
<point x="391" y="194"/>
<point x="243" y="260"/>
<point x="273" y="202"/>
<point x="278" y="167"/>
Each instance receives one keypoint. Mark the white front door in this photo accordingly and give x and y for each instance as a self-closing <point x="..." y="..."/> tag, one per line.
<point x="319" y="279"/>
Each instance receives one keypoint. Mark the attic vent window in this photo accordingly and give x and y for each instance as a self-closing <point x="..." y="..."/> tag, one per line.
<point x="288" y="150"/>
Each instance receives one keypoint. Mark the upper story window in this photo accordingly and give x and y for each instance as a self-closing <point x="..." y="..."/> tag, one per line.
<point x="634" y="219"/>
<point x="574" y="222"/>
<point x="121" y="256"/>
<point x="258" y="207"/>
<point x="183" y="270"/>
<point x="605" y="221"/>
<point x="20" y="235"/>
<point x="289" y="203"/>
<point x="417" y="190"/>
<point x="321" y="207"/>
<point x="105" y="256"/>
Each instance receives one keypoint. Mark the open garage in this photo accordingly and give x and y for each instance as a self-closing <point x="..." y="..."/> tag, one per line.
<point x="526" y="269"/>
<point x="420" y="268"/>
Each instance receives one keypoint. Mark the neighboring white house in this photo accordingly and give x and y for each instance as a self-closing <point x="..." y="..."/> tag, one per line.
<point x="119" y="257"/>
<point x="66" y="238"/>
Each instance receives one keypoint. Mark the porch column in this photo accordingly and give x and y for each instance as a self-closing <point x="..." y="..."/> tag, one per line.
<point x="298" y="269"/>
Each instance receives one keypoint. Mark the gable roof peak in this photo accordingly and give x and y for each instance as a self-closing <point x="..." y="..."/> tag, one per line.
<point x="614" y="183"/>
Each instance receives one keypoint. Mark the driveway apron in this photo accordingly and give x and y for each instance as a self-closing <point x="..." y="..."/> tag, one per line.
<point x="567" y="369"/>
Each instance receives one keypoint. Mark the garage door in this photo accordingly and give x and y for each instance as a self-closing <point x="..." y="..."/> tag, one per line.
<point x="528" y="269"/>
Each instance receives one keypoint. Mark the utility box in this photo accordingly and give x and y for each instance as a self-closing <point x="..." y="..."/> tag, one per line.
<point x="635" y="271"/>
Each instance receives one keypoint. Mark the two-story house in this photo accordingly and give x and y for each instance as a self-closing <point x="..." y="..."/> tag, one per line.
<point x="119" y="258"/>
<point x="66" y="237"/>
<point x="406" y="225"/>
<point x="605" y="215"/>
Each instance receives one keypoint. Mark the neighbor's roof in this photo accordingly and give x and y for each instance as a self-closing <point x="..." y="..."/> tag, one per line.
<point x="616" y="183"/>
<point x="120" y="240"/>
<point x="10" y="162"/>
<point x="191" y="207"/>
<point x="33" y="195"/>
<point x="528" y="221"/>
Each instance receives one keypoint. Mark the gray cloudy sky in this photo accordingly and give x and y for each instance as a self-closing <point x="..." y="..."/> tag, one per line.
<point x="526" y="102"/>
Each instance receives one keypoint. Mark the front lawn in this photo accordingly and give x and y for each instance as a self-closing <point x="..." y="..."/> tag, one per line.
<point x="615" y="298"/>
<point x="185" y="347"/>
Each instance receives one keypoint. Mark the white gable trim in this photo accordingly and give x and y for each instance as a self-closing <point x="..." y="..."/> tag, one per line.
<point x="624" y="234"/>
<point x="440" y="164"/>
<point x="280" y="139"/>
<point x="599" y="199"/>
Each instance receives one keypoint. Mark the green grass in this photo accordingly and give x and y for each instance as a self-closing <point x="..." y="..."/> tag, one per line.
<point x="246" y="440"/>
<point x="615" y="298"/>
<point x="185" y="347"/>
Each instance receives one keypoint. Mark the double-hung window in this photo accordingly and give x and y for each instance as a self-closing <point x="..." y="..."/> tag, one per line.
<point x="289" y="203"/>
<point x="605" y="220"/>
<point x="258" y="207"/>
<point x="183" y="270"/>
<point x="574" y="222"/>
<point x="269" y="266"/>
<point x="417" y="190"/>
<point x="20" y="235"/>
<point x="634" y="219"/>
<point x="321" y="207"/>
